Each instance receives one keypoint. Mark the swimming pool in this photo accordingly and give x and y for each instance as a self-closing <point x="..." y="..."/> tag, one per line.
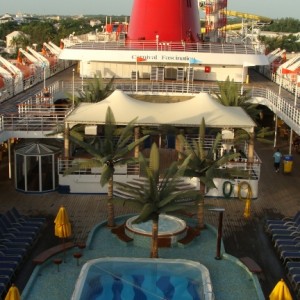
<point x="143" y="279"/>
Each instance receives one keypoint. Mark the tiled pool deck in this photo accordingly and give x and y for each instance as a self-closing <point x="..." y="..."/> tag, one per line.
<point x="230" y="278"/>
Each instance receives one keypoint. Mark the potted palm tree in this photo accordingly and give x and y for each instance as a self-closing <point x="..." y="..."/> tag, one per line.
<point x="203" y="165"/>
<point x="107" y="152"/>
<point x="153" y="195"/>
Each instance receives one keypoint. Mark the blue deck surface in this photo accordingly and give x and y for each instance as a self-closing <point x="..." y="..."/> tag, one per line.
<point x="230" y="278"/>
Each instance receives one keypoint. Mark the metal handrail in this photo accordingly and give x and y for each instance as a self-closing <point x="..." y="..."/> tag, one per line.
<point x="284" y="108"/>
<point x="83" y="42"/>
<point x="65" y="164"/>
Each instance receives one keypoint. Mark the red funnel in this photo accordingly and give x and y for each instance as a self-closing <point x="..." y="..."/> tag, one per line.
<point x="167" y="20"/>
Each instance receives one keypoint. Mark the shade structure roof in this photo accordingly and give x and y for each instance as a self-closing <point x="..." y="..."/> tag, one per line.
<point x="36" y="149"/>
<point x="187" y="113"/>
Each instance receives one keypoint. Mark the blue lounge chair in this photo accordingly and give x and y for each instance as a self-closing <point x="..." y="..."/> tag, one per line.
<point x="4" y="280"/>
<point x="283" y="220"/>
<point x="20" y="217"/>
<point x="293" y="264"/>
<point x="285" y="231"/>
<point x="14" y="223"/>
<point x="9" y="265"/>
<point x="15" y="243"/>
<point x="13" y="219"/>
<point x="13" y="234"/>
<point x="14" y="251"/>
<point x="289" y="247"/>
<point x="11" y="257"/>
<point x="295" y="282"/>
<point x="3" y="289"/>
<point x="285" y="236"/>
<point x="7" y="272"/>
<point x="17" y="228"/>
<point x="290" y="256"/>
<point x="287" y="242"/>
<point x="285" y="225"/>
<point x="293" y="271"/>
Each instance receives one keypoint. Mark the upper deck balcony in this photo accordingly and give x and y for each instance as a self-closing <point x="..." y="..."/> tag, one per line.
<point x="94" y="47"/>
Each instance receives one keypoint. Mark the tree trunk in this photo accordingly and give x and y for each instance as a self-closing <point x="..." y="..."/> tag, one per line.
<point x="110" y="205"/>
<point x="154" y="244"/>
<point x="200" y="211"/>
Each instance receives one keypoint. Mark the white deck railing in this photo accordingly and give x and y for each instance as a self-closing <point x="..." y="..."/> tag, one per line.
<point x="65" y="164"/>
<point x="103" y="43"/>
<point x="36" y="106"/>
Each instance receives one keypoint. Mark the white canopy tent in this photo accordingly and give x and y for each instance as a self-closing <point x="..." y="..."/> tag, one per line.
<point x="187" y="113"/>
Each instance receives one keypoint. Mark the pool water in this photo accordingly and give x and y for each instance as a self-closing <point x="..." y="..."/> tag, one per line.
<point x="142" y="279"/>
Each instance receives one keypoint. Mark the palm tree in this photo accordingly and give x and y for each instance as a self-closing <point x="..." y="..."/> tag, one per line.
<point x="229" y="94"/>
<point x="153" y="196"/>
<point x="111" y="150"/>
<point x="204" y="165"/>
<point x="96" y="90"/>
<point x="22" y="40"/>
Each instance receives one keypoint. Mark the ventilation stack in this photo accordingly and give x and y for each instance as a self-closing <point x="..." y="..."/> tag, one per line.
<point x="165" y="21"/>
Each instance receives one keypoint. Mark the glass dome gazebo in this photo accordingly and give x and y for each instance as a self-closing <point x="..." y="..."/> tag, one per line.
<point x="36" y="167"/>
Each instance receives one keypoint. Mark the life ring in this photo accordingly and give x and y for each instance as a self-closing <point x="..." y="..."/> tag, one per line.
<point x="227" y="189"/>
<point x="243" y="185"/>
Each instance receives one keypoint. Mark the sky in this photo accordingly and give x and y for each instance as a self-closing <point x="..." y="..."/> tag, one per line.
<point x="267" y="8"/>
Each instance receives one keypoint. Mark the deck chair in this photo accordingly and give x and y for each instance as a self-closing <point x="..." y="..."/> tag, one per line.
<point x="287" y="241"/>
<point x="14" y="219"/>
<point x="295" y="282"/>
<point x="293" y="264"/>
<point x="10" y="250"/>
<point x="14" y="243"/>
<point x="9" y="265"/>
<point x="14" y="233"/>
<point x="11" y="257"/>
<point x="4" y="280"/>
<point x="14" y="237"/>
<point x="285" y="236"/>
<point x="295" y="222"/>
<point x="287" y="230"/>
<point x="15" y="226"/>
<point x="290" y="256"/>
<point x="283" y="220"/>
<point x="287" y="247"/>
<point x="7" y="272"/>
<point x="20" y="217"/>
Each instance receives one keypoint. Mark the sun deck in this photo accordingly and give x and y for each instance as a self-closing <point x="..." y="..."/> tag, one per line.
<point x="238" y="283"/>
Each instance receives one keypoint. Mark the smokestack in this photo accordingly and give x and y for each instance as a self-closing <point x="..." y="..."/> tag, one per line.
<point x="164" y="20"/>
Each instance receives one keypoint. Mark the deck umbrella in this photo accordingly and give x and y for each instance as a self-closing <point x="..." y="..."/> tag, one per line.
<point x="62" y="227"/>
<point x="281" y="292"/>
<point x="13" y="293"/>
<point x="62" y="224"/>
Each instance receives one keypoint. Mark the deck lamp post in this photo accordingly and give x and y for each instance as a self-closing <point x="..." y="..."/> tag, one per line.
<point x="220" y="210"/>
<point x="82" y="75"/>
<point x="44" y="72"/>
<point x="157" y="41"/>
<point x="73" y="88"/>
<point x="277" y="105"/>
